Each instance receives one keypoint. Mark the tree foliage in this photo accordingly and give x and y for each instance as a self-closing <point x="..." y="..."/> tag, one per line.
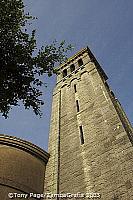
<point x="20" y="67"/>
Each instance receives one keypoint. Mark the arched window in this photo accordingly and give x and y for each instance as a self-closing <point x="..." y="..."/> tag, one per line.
<point x="64" y="73"/>
<point x="72" y="67"/>
<point x="80" y="62"/>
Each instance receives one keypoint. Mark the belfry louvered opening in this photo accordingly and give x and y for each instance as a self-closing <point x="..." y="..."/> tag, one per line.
<point x="64" y="73"/>
<point x="72" y="67"/>
<point x="80" y="62"/>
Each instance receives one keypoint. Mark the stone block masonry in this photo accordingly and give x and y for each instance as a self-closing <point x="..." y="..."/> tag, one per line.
<point x="90" y="141"/>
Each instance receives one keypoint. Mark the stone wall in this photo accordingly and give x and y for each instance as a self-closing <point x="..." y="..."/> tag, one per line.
<point x="99" y="158"/>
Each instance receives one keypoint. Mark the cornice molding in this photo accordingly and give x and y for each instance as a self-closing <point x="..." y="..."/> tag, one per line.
<point x="25" y="146"/>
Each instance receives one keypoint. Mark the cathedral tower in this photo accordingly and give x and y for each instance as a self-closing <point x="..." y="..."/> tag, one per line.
<point x="90" y="141"/>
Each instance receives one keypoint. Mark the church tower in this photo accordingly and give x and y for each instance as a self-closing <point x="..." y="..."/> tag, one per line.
<point x="91" y="139"/>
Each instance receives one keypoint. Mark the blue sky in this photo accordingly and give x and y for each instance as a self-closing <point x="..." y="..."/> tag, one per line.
<point x="106" y="27"/>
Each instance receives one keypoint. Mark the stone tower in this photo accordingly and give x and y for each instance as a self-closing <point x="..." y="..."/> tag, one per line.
<point x="90" y="141"/>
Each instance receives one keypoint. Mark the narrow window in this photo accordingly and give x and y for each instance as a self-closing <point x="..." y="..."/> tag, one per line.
<point x="77" y="104"/>
<point x="72" y="67"/>
<point x="81" y="135"/>
<point x="64" y="73"/>
<point x="80" y="62"/>
<point x="75" y="88"/>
